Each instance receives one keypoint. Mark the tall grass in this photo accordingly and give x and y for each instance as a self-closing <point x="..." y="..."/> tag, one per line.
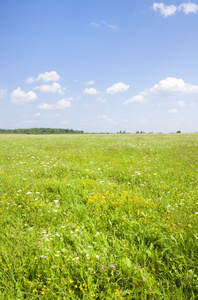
<point x="99" y="217"/>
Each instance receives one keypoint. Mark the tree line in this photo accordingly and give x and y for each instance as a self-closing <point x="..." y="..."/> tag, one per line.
<point x="41" y="131"/>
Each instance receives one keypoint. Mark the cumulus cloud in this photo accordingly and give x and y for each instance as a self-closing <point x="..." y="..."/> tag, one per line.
<point x="136" y="99"/>
<point x="46" y="77"/>
<point x="91" y="82"/>
<point x="189" y="8"/>
<point x="20" y="97"/>
<point x="117" y="88"/>
<point x="165" y="10"/>
<point x="170" y="10"/>
<point x="170" y="86"/>
<point x="62" y="104"/>
<point x="3" y="93"/>
<point x="45" y="106"/>
<point x="50" y="88"/>
<point x="91" y="91"/>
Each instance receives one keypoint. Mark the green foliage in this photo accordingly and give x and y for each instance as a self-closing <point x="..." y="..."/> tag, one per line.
<point x="40" y="131"/>
<point x="99" y="217"/>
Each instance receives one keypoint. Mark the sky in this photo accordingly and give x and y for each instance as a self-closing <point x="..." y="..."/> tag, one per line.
<point x="99" y="65"/>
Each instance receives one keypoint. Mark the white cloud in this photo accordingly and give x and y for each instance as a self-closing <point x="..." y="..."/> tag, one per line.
<point x="165" y="10"/>
<point x="117" y="88"/>
<point x="170" y="10"/>
<point x="170" y="86"/>
<point x="50" y="88"/>
<point x="181" y="103"/>
<point x="91" y="91"/>
<point x="104" y="23"/>
<point x="173" y="111"/>
<point x="62" y="104"/>
<point x="45" y="106"/>
<point x="37" y="115"/>
<point x="113" y="27"/>
<point x="136" y="99"/>
<point x="19" y="97"/>
<point x="91" y="82"/>
<point x="94" y="24"/>
<point x="30" y="80"/>
<point x="46" y="77"/>
<point x="3" y="93"/>
<point x="189" y="8"/>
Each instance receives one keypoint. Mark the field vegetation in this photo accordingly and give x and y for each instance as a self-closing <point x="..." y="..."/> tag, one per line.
<point x="99" y="216"/>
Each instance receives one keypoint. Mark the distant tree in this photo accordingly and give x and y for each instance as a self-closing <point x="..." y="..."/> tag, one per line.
<point x="178" y="131"/>
<point x="41" y="131"/>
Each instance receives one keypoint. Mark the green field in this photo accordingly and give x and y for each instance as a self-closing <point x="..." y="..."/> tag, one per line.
<point x="99" y="216"/>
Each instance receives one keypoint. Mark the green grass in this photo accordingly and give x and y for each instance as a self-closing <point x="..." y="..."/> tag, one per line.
<point x="99" y="217"/>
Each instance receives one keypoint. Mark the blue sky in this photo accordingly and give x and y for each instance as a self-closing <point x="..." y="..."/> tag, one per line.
<point x="99" y="65"/>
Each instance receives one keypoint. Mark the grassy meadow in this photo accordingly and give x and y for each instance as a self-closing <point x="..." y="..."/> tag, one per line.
<point x="99" y="216"/>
